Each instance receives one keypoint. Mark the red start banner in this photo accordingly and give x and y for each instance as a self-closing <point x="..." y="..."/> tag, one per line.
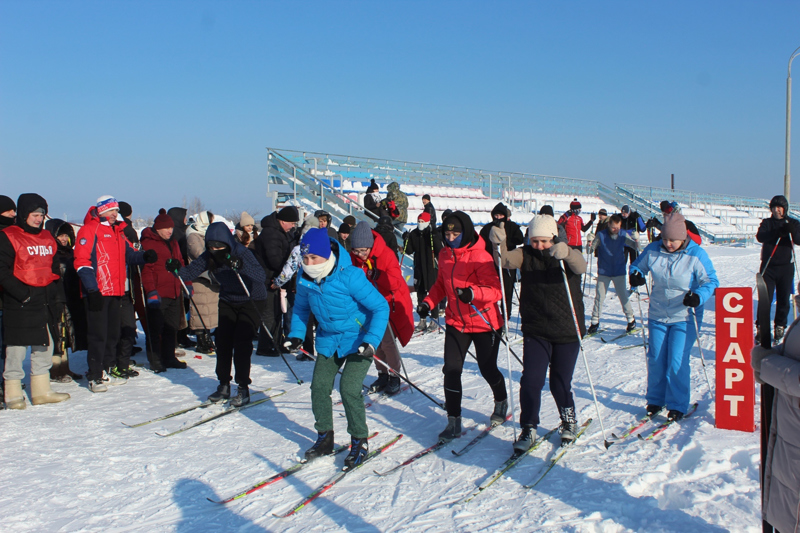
<point x="736" y="390"/>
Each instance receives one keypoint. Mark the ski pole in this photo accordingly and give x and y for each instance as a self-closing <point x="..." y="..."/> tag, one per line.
<point x="399" y="355"/>
<point x="496" y="334"/>
<point x="641" y="319"/>
<point x="263" y="325"/>
<point x="399" y="375"/>
<point x="794" y="260"/>
<point x="519" y="316"/>
<point x="189" y="295"/>
<point x="699" y="347"/>
<point x="508" y="354"/>
<point x="580" y="341"/>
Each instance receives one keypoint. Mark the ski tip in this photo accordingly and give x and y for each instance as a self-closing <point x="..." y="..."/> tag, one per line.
<point x="607" y="444"/>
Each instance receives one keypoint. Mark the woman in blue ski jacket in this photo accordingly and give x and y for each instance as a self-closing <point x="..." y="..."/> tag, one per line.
<point x="683" y="280"/>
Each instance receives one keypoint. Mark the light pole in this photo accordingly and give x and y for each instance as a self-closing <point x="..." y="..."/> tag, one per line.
<point x="787" y="175"/>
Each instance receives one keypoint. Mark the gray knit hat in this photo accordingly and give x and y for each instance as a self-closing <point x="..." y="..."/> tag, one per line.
<point x="361" y="236"/>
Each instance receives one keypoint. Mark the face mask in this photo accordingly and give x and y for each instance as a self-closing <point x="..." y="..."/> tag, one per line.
<point x="455" y="243"/>
<point x="422" y="225"/>
<point x="219" y="256"/>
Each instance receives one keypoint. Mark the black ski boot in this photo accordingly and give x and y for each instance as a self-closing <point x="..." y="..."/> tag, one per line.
<point x="631" y="326"/>
<point x="569" y="426"/>
<point x="393" y="386"/>
<point x="779" y="330"/>
<point x="379" y="384"/>
<point x="500" y="412"/>
<point x="674" y="415"/>
<point x="653" y="410"/>
<point x="323" y="446"/>
<point x="358" y="452"/>
<point x="525" y="440"/>
<point x="222" y="394"/>
<point x="453" y="429"/>
<point x="242" y="396"/>
<point x="592" y="329"/>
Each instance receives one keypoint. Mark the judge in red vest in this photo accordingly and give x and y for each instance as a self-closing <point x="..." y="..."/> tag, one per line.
<point x="28" y="275"/>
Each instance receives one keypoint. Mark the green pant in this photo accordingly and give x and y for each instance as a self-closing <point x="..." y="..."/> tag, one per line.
<point x="353" y="374"/>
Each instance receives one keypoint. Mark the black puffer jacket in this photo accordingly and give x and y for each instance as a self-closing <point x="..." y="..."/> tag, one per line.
<point x="425" y="247"/>
<point x="545" y="309"/>
<point x="769" y="233"/>
<point x="273" y="246"/>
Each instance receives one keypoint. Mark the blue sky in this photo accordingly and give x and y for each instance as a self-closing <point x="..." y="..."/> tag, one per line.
<point x="156" y="101"/>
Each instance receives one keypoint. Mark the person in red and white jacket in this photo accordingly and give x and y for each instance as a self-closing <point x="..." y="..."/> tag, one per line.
<point x="573" y="224"/>
<point x="102" y="255"/>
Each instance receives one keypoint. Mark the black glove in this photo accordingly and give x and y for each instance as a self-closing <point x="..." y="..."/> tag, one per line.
<point x="292" y="343"/>
<point x="150" y="256"/>
<point x="173" y="265"/>
<point x="465" y="295"/>
<point x="784" y="230"/>
<point x="234" y="262"/>
<point x="691" y="299"/>
<point x="423" y="310"/>
<point x="365" y="349"/>
<point x="95" y="301"/>
<point x="594" y="217"/>
<point x="636" y="279"/>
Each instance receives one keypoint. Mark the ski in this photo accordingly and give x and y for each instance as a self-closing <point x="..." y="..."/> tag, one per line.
<point x="282" y="475"/>
<point x="598" y="332"/>
<point x="763" y="313"/>
<point x="633" y="428"/>
<point x="483" y="434"/>
<point x="227" y="411"/>
<point x="419" y="455"/>
<point x="201" y="405"/>
<point x="336" y="478"/>
<point x="562" y="451"/>
<point x="664" y="425"/>
<point x="621" y="335"/>
<point x="510" y="463"/>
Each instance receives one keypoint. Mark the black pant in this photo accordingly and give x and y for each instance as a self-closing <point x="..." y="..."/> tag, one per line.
<point x="308" y="342"/>
<point x="456" y="344"/>
<point x="238" y="323"/>
<point x="631" y="254"/>
<point x="164" y="322"/>
<point x="127" y="332"/>
<point x="509" y="278"/>
<point x="779" y="282"/>
<point x="537" y="355"/>
<point x="103" y="335"/>
<point x="271" y="316"/>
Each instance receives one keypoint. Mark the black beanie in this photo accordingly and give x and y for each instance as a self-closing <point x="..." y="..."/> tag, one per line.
<point x="125" y="209"/>
<point x="7" y="204"/>
<point x="547" y="210"/>
<point x="344" y="228"/>
<point x="289" y="214"/>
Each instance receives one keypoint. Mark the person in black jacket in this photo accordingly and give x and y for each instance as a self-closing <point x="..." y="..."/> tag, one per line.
<point x="178" y="216"/>
<point x="424" y="244"/>
<point x="273" y="247"/>
<point x="429" y="208"/>
<point x="372" y="200"/>
<point x="514" y="238"/>
<point x="632" y="225"/>
<point x="386" y="230"/>
<point x="778" y="234"/>
<point x="8" y="211"/>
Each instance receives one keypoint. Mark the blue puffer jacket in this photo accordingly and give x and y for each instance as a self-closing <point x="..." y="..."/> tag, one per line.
<point x="347" y="307"/>
<point x="611" y="254"/>
<point x="674" y="274"/>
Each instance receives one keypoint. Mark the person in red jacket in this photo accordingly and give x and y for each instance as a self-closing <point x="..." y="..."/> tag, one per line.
<point x="369" y="252"/>
<point x="467" y="277"/>
<point x="573" y="223"/>
<point x="163" y="293"/>
<point x="102" y="256"/>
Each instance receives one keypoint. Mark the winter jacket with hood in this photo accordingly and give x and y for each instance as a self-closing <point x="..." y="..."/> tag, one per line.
<point x="400" y="201"/>
<point x="75" y="326"/>
<point x="178" y="216"/>
<point x="383" y="271"/>
<point x="769" y="234"/>
<point x="386" y="230"/>
<point x="574" y="225"/>
<point x="273" y="246"/>
<point x="348" y="309"/>
<point x="206" y="288"/>
<point x="514" y="235"/>
<point x="155" y="276"/>
<point x="425" y="246"/>
<point x="610" y="253"/>
<point x="470" y="266"/>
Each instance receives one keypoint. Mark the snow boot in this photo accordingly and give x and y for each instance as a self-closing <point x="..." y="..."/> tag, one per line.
<point x="175" y="363"/>
<point x="631" y="325"/>
<point x="67" y="371"/>
<point x="653" y="410"/>
<point x="205" y="345"/>
<point x="41" y="392"/>
<point x="569" y="425"/>
<point x="453" y="429"/>
<point x="358" y="452"/>
<point x="97" y="385"/>
<point x="778" y="334"/>
<point x="422" y="326"/>
<point x="592" y="329"/>
<point x="223" y="393"/>
<point x="302" y="356"/>
<point x="110" y="379"/>
<point x="393" y="386"/>
<point x="674" y="415"/>
<point x="525" y="440"/>
<point x="13" y="394"/>
<point x="242" y="396"/>
<point x="500" y="412"/>
<point x="323" y="446"/>
<point x="379" y="384"/>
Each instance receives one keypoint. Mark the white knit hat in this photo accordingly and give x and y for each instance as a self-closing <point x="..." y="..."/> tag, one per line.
<point x="542" y="226"/>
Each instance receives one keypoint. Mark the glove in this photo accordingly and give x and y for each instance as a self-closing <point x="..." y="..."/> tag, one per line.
<point x="465" y="295"/>
<point x="593" y="217"/>
<point x="691" y="299"/>
<point x="784" y="230"/>
<point x="150" y="256"/>
<point x="95" y="301"/>
<point x="153" y="300"/>
<point x="292" y="344"/>
<point x="636" y="279"/>
<point x="559" y="251"/>
<point x="497" y="235"/>
<point x="234" y="262"/>
<point x="172" y="265"/>
<point x="650" y="223"/>
<point x="423" y="310"/>
<point x="365" y="349"/>
<point x="757" y="355"/>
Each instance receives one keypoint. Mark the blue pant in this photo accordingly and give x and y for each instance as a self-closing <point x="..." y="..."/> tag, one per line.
<point x="668" y="368"/>
<point x="538" y="355"/>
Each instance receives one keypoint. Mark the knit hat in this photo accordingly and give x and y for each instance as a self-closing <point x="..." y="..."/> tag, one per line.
<point x="288" y="214"/>
<point x="625" y="209"/>
<point x="674" y="228"/>
<point x="547" y="210"/>
<point x="500" y="209"/>
<point x="345" y="228"/>
<point x="543" y="226"/>
<point x="350" y="220"/>
<point x="317" y="242"/>
<point x="574" y="204"/>
<point x="163" y="220"/>
<point x="7" y="204"/>
<point x="603" y="212"/>
<point x="372" y="186"/>
<point x="310" y="222"/>
<point x="426" y="197"/>
<point x="361" y="236"/>
<point x="106" y="203"/>
<point x="125" y="209"/>
<point x="247" y="220"/>
<point x="666" y="207"/>
<point x="424" y="217"/>
<point x="452" y="223"/>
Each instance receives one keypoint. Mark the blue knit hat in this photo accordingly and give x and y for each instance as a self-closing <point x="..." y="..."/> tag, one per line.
<point x="317" y="242"/>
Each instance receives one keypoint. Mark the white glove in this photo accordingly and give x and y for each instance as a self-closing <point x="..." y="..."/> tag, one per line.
<point x="559" y="251"/>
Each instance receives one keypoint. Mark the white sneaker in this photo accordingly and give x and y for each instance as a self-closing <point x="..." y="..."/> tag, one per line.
<point x="97" y="385"/>
<point x="113" y="380"/>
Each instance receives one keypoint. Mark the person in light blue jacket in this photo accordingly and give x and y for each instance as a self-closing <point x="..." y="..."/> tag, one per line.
<point x="351" y="320"/>
<point x="683" y="280"/>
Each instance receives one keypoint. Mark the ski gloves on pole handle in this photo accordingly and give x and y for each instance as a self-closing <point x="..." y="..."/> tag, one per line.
<point x="423" y="310"/>
<point x="465" y="295"/>
<point x="636" y="279"/>
<point x="691" y="299"/>
<point x="559" y="251"/>
<point x="365" y="349"/>
<point x="173" y="265"/>
<point x="292" y="344"/>
<point x="150" y="256"/>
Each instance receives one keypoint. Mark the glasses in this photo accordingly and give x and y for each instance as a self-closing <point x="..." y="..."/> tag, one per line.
<point x="361" y="252"/>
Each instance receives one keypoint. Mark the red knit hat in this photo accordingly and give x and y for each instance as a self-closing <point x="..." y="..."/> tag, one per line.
<point x="163" y="220"/>
<point x="424" y="217"/>
<point x="574" y="204"/>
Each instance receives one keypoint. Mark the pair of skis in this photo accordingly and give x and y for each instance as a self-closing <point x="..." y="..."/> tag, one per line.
<point x="644" y="421"/>
<point x="634" y="331"/>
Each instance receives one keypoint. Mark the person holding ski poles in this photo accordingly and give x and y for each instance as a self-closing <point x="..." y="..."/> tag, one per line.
<point x="469" y="280"/>
<point x="352" y="318"/>
<point x="683" y="279"/>
<point x="548" y="327"/>
<point x="239" y="313"/>
<point x="424" y="243"/>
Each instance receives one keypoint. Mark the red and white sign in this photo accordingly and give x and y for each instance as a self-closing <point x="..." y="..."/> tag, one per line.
<point x="736" y="389"/>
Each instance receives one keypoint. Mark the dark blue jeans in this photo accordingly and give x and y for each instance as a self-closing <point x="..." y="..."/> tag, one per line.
<point x="539" y="354"/>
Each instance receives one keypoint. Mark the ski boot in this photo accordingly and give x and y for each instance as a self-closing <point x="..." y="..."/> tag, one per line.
<point x="422" y="326"/>
<point x="379" y="384"/>
<point x="223" y="393"/>
<point x="653" y="410"/>
<point x="592" y="329"/>
<point x="393" y="386"/>
<point x="525" y="440"/>
<point x="674" y="415"/>
<point x="569" y="426"/>
<point x="631" y="326"/>
<point x="242" y="396"/>
<point x="358" y="452"/>
<point x="500" y="412"/>
<point x="323" y="446"/>
<point x="453" y="429"/>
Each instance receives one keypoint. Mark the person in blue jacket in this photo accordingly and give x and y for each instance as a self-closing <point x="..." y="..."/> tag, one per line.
<point x="351" y="320"/>
<point x="683" y="280"/>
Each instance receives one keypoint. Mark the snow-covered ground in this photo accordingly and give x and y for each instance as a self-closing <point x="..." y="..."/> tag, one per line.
<point x="74" y="467"/>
